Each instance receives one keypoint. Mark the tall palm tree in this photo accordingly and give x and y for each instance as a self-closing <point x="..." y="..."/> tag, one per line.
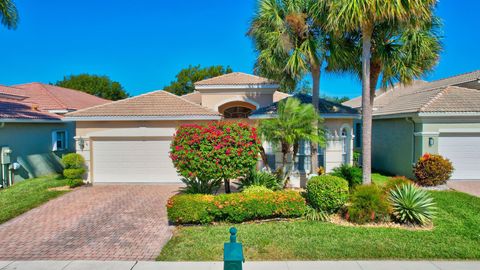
<point x="290" y="38"/>
<point x="8" y="14"/>
<point x="292" y="124"/>
<point x="362" y="16"/>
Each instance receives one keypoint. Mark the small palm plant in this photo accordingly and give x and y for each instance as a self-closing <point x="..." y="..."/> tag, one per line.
<point x="412" y="205"/>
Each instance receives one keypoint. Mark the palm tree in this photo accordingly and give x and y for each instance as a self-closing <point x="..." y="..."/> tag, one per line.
<point x="362" y="16"/>
<point x="8" y="14"/>
<point x="292" y="124"/>
<point x="290" y="38"/>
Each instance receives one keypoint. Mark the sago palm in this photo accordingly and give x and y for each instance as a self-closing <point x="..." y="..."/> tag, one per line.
<point x="290" y="38"/>
<point x="8" y="14"/>
<point x="347" y="16"/>
<point x="292" y="124"/>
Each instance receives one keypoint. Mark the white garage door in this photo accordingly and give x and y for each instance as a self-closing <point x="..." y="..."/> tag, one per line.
<point x="133" y="161"/>
<point x="464" y="152"/>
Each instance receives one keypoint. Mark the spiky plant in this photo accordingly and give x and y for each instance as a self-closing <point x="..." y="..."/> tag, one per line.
<point x="412" y="205"/>
<point x="312" y="214"/>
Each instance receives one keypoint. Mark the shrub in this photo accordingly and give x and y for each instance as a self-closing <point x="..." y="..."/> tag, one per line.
<point x="357" y="155"/>
<point x="73" y="183"/>
<point x="327" y="193"/>
<point x="432" y="170"/>
<point x="236" y="207"/>
<point x="198" y="186"/>
<point x="394" y="182"/>
<point x="74" y="173"/>
<point x="190" y="209"/>
<point x="412" y="205"/>
<point x="217" y="150"/>
<point x="256" y="189"/>
<point x="367" y="204"/>
<point x="312" y="214"/>
<point x="350" y="173"/>
<point x="256" y="178"/>
<point x="74" y="166"/>
<point x="73" y="161"/>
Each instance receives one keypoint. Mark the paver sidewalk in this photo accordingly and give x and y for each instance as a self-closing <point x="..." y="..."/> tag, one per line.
<point x="287" y="265"/>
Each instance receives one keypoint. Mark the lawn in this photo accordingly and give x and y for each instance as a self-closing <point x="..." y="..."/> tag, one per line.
<point x="456" y="236"/>
<point x="28" y="194"/>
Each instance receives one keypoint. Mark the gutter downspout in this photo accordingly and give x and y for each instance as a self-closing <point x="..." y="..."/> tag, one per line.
<point x="410" y="119"/>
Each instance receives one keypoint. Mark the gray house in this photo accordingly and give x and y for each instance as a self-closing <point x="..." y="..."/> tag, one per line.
<point x="32" y="126"/>
<point x="441" y="117"/>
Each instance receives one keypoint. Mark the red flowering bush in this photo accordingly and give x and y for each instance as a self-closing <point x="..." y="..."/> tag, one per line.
<point x="432" y="170"/>
<point x="217" y="150"/>
<point x="235" y="207"/>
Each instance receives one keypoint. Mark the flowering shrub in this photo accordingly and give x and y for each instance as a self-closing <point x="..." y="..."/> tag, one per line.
<point x="368" y="204"/>
<point x="432" y="170"/>
<point x="217" y="150"/>
<point x="236" y="207"/>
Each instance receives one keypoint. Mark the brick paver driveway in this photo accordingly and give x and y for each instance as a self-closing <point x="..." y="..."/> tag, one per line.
<point x="121" y="222"/>
<point x="471" y="187"/>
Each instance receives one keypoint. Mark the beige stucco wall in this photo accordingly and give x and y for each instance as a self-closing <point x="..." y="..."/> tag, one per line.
<point x="214" y="98"/>
<point x="87" y="130"/>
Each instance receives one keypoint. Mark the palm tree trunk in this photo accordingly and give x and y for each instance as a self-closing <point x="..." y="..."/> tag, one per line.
<point x="375" y="70"/>
<point x="264" y="158"/>
<point x="366" y="105"/>
<point x="315" y="98"/>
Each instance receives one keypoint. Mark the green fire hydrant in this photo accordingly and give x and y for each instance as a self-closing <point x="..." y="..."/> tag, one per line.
<point x="233" y="253"/>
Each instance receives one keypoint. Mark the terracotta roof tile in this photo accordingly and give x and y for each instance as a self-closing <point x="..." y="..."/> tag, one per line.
<point x="50" y="97"/>
<point x="159" y="103"/>
<point x="384" y="98"/>
<point x="194" y="97"/>
<point x="235" y="78"/>
<point x="442" y="99"/>
<point x="13" y="109"/>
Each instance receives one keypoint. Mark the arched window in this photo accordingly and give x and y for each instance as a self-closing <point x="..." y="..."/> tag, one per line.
<point x="237" y="112"/>
<point x="236" y="109"/>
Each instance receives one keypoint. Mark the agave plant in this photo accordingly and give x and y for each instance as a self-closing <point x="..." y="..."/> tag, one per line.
<point x="412" y="205"/>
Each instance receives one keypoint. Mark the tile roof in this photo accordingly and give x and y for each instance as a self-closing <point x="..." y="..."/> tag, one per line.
<point x="154" y="104"/>
<point x="277" y="96"/>
<point x="235" y="78"/>
<point x="325" y="107"/>
<point x="195" y="97"/>
<point x="50" y="97"/>
<point x="386" y="98"/>
<point x="14" y="109"/>
<point x="442" y="99"/>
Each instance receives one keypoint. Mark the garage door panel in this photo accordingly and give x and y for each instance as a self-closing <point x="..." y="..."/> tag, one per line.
<point x="464" y="152"/>
<point x="133" y="161"/>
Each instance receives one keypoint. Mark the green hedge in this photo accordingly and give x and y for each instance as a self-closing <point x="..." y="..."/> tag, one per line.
<point x="236" y="207"/>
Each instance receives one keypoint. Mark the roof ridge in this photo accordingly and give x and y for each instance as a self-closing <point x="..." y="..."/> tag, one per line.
<point x="208" y="79"/>
<point x="116" y="101"/>
<point x="191" y="102"/>
<point x="433" y="99"/>
<point x="51" y="95"/>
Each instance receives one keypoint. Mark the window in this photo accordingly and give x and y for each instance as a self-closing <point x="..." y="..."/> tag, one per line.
<point x="59" y="140"/>
<point x="237" y="112"/>
<point x="358" y="135"/>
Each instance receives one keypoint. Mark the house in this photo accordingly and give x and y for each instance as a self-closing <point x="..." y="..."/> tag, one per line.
<point x="31" y="125"/>
<point x="441" y="117"/>
<point x="128" y="141"/>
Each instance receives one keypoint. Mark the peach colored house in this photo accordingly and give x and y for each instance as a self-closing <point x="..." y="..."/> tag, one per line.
<point x="128" y="141"/>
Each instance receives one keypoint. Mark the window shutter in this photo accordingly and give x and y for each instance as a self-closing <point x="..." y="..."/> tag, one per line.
<point x="54" y="141"/>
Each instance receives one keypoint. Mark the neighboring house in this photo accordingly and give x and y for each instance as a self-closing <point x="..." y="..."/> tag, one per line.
<point x="128" y="141"/>
<point x="31" y="125"/>
<point x="441" y="117"/>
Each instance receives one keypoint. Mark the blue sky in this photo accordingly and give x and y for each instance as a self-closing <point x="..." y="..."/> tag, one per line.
<point x="144" y="43"/>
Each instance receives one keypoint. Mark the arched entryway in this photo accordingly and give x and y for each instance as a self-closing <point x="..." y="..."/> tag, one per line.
<point x="236" y="109"/>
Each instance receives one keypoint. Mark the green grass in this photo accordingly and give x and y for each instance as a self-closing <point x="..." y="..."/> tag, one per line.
<point x="379" y="179"/>
<point x="456" y="236"/>
<point x="28" y="194"/>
